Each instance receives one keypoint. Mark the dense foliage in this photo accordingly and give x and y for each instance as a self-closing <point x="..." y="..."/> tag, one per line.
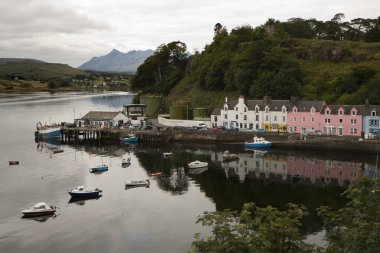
<point x="353" y="228"/>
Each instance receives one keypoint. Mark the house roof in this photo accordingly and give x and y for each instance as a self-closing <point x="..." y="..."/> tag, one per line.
<point x="367" y="109"/>
<point x="216" y="111"/>
<point x="347" y="109"/>
<point x="98" y="115"/>
<point x="306" y="105"/>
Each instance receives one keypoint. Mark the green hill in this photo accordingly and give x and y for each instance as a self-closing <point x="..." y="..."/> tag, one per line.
<point x="34" y="70"/>
<point x="335" y="61"/>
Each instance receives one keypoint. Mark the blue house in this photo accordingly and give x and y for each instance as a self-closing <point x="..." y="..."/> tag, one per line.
<point x="371" y="120"/>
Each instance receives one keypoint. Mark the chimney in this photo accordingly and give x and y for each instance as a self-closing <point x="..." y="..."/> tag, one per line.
<point x="226" y="100"/>
<point x="241" y="100"/>
<point x="366" y="101"/>
<point x="294" y="100"/>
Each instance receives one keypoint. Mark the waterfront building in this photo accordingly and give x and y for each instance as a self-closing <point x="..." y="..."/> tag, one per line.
<point x="341" y="120"/>
<point x="371" y="120"/>
<point x="304" y="115"/>
<point x="101" y="119"/>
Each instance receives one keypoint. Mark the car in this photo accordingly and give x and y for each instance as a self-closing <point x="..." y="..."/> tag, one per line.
<point x="200" y="126"/>
<point x="218" y="129"/>
<point x="147" y="127"/>
<point x="314" y="132"/>
<point x="134" y="127"/>
<point x="247" y="130"/>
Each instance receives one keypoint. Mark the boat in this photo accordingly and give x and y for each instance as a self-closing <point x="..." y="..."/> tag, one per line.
<point x="48" y="131"/>
<point x="129" y="184"/>
<point x="39" y="209"/>
<point x="197" y="164"/>
<point x="156" y="174"/>
<point x="57" y="151"/>
<point x="14" y="162"/>
<point x="131" y="138"/>
<point x="296" y="177"/>
<point x="258" y="142"/>
<point x="80" y="192"/>
<point x="126" y="162"/>
<point x="227" y="156"/>
<point x="99" y="168"/>
<point x="167" y="154"/>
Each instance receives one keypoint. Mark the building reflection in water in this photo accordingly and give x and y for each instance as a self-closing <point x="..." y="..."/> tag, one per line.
<point x="279" y="166"/>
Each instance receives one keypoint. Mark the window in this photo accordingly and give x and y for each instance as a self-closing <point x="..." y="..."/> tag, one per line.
<point x="266" y="118"/>
<point x="312" y="110"/>
<point x="353" y="121"/>
<point x="353" y="112"/>
<point x="257" y="117"/>
<point x="353" y="130"/>
<point x="283" y="110"/>
<point x="245" y="117"/>
<point x="275" y="119"/>
<point x="327" y="111"/>
<point x="236" y="109"/>
<point x="225" y="116"/>
<point x="215" y="118"/>
<point x="266" y="109"/>
<point x="294" y="109"/>
<point x="257" y="109"/>
<point x="373" y="122"/>
<point x="237" y="116"/>
<point x="295" y="129"/>
<point x="245" y="109"/>
<point x="327" y="121"/>
<point x="312" y="120"/>
<point x="340" y="112"/>
<point x="340" y="121"/>
<point x="303" y="119"/>
<point x="225" y="108"/>
<point x="294" y="119"/>
<point x="283" y="119"/>
<point x="373" y="113"/>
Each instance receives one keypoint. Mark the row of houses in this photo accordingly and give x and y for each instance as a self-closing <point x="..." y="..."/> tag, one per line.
<point x="298" y="116"/>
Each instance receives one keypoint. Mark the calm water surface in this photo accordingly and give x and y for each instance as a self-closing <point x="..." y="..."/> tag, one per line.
<point x="160" y="218"/>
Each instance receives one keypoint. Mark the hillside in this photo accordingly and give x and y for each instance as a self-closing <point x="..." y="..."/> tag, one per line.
<point x="36" y="70"/>
<point x="116" y="61"/>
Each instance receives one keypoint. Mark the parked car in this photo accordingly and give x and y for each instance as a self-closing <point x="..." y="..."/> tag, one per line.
<point x="134" y="127"/>
<point x="218" y="129"/>
<point x="260" y="130"/>
<point x="200" y="126"/>
<point x="314" y="132"/>
<point x="247" y="130"/>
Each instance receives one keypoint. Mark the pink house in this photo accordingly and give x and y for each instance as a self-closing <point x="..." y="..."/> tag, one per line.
<point x="341" y="120"/>
<point x="304" y="115"/>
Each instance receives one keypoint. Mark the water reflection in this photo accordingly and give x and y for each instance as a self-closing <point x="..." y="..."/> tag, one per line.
<point x="81" y="201"/>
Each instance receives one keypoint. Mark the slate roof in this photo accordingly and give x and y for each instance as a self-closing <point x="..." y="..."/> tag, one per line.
<point x="367" y="109"/>
<point x="347" y="109"/>
<point x="216" y="111"/>
<point x="97" y="115"/>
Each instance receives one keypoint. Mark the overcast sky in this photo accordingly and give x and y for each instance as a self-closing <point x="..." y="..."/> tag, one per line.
<point x="73" y="31"/>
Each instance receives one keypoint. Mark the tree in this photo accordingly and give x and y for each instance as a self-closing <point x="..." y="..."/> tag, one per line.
<point x="356" y="227"/>
<point x="254" y="229"/>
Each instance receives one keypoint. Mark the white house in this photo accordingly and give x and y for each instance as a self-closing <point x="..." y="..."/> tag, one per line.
<point x="101" y="119"/>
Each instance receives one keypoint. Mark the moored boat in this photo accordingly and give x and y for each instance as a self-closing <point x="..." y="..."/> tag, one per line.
<point x="48" y="131"/>
<point x="99" y="168"/>
<point x="167" y="154"/>
<point x="156" y="174"/>
<point x="39" y="209"/>
<point x="131" y="138"/>
<point x="80" y="192"/>
<point x="197" y="164"/>
<point x="126" y="162"/>
<point x="258" y="142"/>
<point x="14" y="162"/>
<point x="129" y="184"/>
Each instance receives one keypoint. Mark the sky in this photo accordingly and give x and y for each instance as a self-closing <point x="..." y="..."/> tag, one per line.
<point x="74" y="31"/>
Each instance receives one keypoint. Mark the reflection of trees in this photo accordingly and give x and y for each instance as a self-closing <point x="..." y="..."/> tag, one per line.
<point x="177" y="182"/>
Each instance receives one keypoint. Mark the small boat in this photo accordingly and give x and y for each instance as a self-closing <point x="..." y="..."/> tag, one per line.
<point x="48" y="131"/>
<point x="227" y="156"/>
<point x="197" y="164"/>
<point x="57" y="151"/>
<point x="14" y="162"/>
<point x="80" y="192"/>
<point x="126" y="162"/>
<point x="39" y="209"/>
<point x="198" y="170"/>
<point x="167" y="154"/>
<point x="156" y="174"/>
<point x="99" y="168"/>
<point x="131" y="138"/>
<point x="258" y="142"/>
<point x="145" y="183"/>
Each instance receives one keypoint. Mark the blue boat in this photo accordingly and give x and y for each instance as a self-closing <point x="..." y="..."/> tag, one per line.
<point x="48" y="131"/>
<point x="80" y="192"/>
<point x="100" y="168"/>
<point x="131" y="138"/>
<point x="258" y="143"/>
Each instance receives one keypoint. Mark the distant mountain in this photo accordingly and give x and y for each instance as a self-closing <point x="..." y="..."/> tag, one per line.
<point x="9" y="60"/>
<point x="116" y="61"/>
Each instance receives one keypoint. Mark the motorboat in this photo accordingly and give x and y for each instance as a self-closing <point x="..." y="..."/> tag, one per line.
<point x="126" y="162"/>
<point x="258" y="142"/>
<point x="48" y="131"/>
<point x="129" y="184"/>
<point x="80" y="192"/>
<point x="197" y="164"/>
<point x="99" y="168"/>
<point x="167" y="154"/>
<point x="131" y="138"/>
<point x="227" y="156"/>
<point x="39" y="209"/>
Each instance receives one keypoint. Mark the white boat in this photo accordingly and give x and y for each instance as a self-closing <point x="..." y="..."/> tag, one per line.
<point x="137" y="183"/>
<point x="80" y="192"/>
<point x="167" y="154"/>
<point x="39" y="209"/>
<point x="126" y="162"/>
<point x="198" y="170"/>
<point x="197" y="164"/>
<point x="48" y="131"/>
<point x="258" y="142"/>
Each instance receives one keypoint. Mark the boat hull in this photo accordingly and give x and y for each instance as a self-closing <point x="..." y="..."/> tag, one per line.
<point x="130" y="140"/>
<point x="99" y="169"/>
<point x="257" y="145"/>
<point x="84" y="195"/>
<point x="196" y="166"/>
<point x="54" y="133"/>
<point x="27" y="213"/>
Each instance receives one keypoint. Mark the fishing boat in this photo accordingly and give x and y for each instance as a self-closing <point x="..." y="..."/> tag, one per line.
<point x="99" y="168"/>
<point x="39" y="209"/>
<point x="145" y="183"/>
<point x="197" y="164"/>
<point x="47" y="131"/>
<point x="131" y="138"/>
<point x="126" y="162"/>
<point x="227" y="156"/>
<point x="80" y="192"/>
<point x="167" y="154"/>
<point x="258" y="142"/>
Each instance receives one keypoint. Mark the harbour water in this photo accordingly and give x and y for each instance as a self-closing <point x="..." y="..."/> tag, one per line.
<point x="161" y="218"/>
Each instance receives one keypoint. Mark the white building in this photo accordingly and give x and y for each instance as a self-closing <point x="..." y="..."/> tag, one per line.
<point x="102" y="119"/>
